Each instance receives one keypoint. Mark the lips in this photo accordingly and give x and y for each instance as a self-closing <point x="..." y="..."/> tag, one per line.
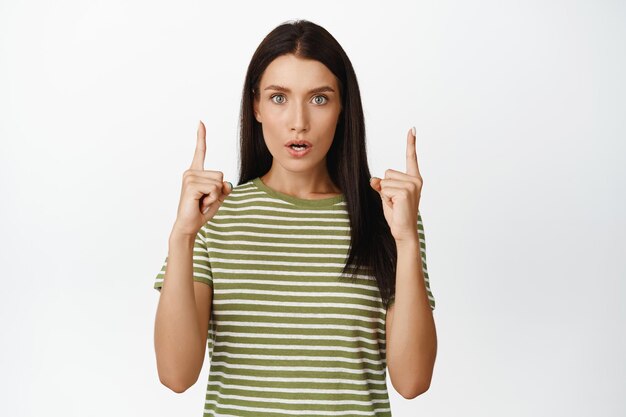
<point x="299" y="142"/>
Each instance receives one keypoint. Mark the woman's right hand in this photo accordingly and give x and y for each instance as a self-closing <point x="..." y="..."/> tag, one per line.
<point x="203" y="192"/>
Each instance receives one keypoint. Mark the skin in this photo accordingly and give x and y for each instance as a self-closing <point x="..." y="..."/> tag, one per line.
<point x="410" y="326"/>
<point x="298" y="114"/>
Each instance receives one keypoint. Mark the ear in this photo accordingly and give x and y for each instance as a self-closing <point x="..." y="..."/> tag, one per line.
<point x="255" y="108"/>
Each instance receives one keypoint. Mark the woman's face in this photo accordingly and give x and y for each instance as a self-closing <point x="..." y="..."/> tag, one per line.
<point x="298" y="99"/>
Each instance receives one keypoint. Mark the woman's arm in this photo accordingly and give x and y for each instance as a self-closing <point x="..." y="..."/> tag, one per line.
<point x="411" y="334"/>
<point x="182" y="318"/>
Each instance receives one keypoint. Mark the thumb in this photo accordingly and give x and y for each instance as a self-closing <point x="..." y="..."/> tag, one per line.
<point x="375" y="184"/>
<point x="227" y="187"/>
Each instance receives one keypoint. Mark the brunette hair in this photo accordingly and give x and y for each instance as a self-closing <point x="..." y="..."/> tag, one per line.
<point x="372" y="247"/>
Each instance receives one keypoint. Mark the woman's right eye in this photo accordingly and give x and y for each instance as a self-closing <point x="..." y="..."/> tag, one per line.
<point x="277" y="95"/>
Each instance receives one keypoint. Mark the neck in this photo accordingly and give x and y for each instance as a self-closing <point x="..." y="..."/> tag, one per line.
<point x="301" y="184"/>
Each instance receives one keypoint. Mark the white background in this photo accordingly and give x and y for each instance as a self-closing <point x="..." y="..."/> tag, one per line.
<point x="520" y="116"/>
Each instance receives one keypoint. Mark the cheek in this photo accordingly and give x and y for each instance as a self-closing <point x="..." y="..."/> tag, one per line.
<point x="271" y="111"/>
<point x="328" y="124"/>
<point x="271" y="134"/>
<point x="272" y="120"/>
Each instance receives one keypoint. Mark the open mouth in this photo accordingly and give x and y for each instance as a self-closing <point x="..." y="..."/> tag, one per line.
<point x="299" y="149"/>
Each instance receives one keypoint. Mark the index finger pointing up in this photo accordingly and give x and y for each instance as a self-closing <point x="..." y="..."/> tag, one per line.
<point x="198" y="156"/>
<point x="411" y="154"/>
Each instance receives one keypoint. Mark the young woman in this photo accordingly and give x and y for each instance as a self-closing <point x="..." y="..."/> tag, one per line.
<point x="292" y="274"/>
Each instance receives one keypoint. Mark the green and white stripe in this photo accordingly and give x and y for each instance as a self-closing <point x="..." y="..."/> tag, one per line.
<point x="287" y="335"/>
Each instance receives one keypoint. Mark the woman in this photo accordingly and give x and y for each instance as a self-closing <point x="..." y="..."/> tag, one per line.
<point x="293" y="272"/>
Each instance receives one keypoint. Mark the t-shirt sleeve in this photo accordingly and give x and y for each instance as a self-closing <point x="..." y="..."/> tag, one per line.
<point x="201" y="263"/>
<point x="422" y="239"/>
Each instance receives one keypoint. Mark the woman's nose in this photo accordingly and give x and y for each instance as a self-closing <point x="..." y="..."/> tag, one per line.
<point x="299" y="118"/>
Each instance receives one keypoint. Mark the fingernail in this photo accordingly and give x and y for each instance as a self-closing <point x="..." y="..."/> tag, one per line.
<point x="205" y="210"/>
<point x="231" y="184"/>
<point x="413" y="131"/>
<point x="371" y="179"/>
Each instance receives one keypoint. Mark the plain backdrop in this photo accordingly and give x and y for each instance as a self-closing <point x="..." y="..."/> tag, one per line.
<point x="520" y="116"/>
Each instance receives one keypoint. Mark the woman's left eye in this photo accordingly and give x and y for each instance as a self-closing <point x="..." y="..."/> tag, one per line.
<point x="324" y="97"/>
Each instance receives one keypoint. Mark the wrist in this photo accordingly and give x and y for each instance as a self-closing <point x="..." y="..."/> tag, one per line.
<point x="411" y="241"/>
<point x="178" y="236"/>
<point x="402" y="248"/>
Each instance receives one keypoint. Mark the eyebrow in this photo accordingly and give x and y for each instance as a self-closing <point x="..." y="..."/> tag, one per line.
<point x="322" y="89"/>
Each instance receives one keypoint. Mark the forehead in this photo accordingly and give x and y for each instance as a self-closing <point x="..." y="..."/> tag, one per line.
<point x="297" y="74"/>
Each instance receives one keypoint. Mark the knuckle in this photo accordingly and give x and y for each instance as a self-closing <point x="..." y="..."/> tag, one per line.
<point x="212" y="198"/>
<point x="214" y="174"/>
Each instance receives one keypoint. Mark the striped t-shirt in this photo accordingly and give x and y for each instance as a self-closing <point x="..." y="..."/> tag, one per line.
<point x="287" y="336"/>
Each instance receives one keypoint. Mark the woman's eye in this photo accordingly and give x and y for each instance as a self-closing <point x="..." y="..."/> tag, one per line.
<point x="322" y="97"/>
<point x="323" y="100"/>
<point x="276" y="95"/>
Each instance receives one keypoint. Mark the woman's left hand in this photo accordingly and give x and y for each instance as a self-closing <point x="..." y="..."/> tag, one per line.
<point x="400" y="194"/>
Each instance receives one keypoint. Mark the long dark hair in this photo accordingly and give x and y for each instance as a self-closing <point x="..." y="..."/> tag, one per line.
<point x="372" y="247"/>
